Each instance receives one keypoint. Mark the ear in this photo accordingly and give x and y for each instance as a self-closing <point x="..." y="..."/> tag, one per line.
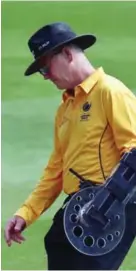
<point x="67" y="54"/>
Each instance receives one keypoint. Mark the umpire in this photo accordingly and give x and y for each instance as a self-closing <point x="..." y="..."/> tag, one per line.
<point x="94" y="126"/>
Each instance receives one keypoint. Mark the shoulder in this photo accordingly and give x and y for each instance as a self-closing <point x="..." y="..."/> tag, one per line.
<point x="113" y="89"/>
<point x="113" y="86"/>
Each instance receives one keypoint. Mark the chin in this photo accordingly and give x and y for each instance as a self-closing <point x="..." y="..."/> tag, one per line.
<point x="60" y="86"/>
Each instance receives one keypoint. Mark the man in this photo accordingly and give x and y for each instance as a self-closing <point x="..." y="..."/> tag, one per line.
<point x="94" y="126"/>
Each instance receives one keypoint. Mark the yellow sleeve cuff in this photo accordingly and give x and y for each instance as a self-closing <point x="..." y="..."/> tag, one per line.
<point x="26" y="214"/>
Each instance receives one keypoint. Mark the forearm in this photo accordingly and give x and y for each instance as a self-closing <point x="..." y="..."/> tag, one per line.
<point x="40" y="199"/>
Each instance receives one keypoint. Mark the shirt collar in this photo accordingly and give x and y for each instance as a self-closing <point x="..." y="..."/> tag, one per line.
<point x="86" y="86"/>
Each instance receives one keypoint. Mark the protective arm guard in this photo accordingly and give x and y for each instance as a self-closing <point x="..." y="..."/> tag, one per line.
<point x="94" y="218"/>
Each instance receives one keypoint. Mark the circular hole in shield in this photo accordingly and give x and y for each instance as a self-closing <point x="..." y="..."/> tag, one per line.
<point x="77" y="207"/>
<point x="117" y="233"/>
<point x="78" y="198"/>
<point x="101" y="242"/>
<point x="89" y="241"/>
<point x="73" y="218"/>
<point x="109" y="237"/>
<point x="78" y="231"/>
<point x="117" y="217"/>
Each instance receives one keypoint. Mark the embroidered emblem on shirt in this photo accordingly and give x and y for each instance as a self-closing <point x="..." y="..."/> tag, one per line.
<point x="86" y="106"/>
<point x="85" y="117"/>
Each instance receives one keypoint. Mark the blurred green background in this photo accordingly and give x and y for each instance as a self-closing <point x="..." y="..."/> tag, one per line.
<point x="29" y="104"/>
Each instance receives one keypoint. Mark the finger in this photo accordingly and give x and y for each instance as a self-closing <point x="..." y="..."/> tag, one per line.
<point x="7" y="232"/>
<point x="20" y="236"/>
<point x="16" y="239"/>
<point x="7" y="238"/>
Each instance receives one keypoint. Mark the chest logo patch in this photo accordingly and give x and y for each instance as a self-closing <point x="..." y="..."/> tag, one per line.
<point x="86" y="106"/>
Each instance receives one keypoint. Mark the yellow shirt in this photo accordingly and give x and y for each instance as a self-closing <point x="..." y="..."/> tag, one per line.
<point x="93" y="129"/>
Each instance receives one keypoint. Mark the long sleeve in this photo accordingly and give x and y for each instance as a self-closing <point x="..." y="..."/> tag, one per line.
<point x="47" y="189"/>
<point x="120" y="109"/>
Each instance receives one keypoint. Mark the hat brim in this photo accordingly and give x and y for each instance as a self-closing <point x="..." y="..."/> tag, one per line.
<point x="83" y="41"/>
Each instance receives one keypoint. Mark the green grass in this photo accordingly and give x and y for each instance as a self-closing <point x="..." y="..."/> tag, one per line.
<point x="29" y="104"/>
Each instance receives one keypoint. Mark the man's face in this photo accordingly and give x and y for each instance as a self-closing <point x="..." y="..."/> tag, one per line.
<point x="57" y="68"/>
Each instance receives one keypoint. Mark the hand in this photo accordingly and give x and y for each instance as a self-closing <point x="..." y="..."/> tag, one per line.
<point x="13" y="230"/>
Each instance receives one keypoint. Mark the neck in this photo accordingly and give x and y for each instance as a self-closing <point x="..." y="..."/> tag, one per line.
<point x="85" y="69"/>
<point x="85" y="72"/>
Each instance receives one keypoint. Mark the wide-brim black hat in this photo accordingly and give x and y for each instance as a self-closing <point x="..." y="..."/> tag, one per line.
<point x="52" y="37"/>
